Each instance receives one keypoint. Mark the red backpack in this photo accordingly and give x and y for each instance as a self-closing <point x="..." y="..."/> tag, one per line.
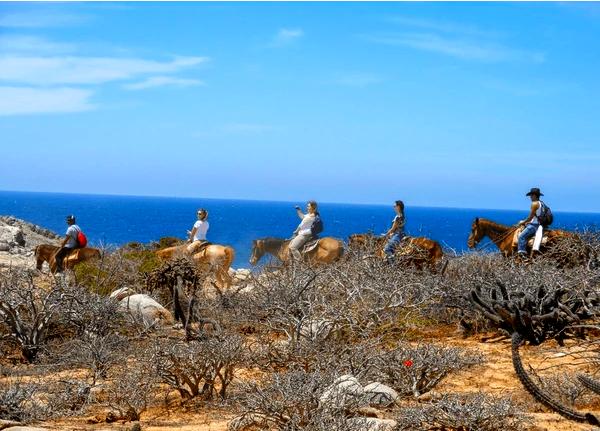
<point x="81" y="239"/>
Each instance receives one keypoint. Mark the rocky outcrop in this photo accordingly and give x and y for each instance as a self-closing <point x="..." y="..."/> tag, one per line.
<point x="21" y="237"/>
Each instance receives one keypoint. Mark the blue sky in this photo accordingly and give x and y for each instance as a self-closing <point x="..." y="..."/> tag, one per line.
<point x="438" y="104"/>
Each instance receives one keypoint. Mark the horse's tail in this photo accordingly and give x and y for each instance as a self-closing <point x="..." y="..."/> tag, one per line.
<point x="229" y="257"/>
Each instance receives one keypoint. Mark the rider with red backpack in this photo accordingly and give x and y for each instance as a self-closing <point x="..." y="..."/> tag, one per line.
<point x="74" y="239"/>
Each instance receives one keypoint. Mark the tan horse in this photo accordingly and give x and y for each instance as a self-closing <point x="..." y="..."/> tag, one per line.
<point x="218" y="257"/>
<point x="46" y="252"/>
<point x="417" y="251"/>
<point x="504" y="236"/>
<point x="328" y="250"/>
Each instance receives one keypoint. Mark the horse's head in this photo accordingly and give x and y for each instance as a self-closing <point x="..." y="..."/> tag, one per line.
<point x="476" y="234"/>
<point x="258" y="251"/>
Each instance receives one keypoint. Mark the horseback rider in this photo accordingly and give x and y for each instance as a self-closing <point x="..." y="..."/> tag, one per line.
<point x="395" y="234"/>
<point x="532" y="222"/>
<point x="197" y="236"/>
<point x="69" y="244"/>
<point x="305" y="230"/>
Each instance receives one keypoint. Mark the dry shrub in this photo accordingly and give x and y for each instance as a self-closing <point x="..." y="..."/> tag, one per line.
<point x="18" y="401"/>
<point x="31" y="315"/>
<point x="203" y="368"/>
<point x="476" y="412"/>
<point x="130" y="391"/>
<point x="416" y="369"/>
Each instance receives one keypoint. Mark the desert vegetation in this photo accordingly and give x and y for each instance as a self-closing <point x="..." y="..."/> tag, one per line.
<point x="356" y="345"/>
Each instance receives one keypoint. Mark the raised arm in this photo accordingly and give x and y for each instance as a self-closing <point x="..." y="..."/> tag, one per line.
<point x="299" y="213"/>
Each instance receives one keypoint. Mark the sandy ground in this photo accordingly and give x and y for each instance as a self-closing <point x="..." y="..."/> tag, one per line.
<point x="496" y="377"/>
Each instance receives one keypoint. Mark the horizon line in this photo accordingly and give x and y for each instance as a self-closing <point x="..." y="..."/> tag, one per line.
<point x="280" y="201"/>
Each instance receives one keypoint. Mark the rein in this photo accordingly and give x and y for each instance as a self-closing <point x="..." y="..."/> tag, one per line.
<point x="509" y="232"/>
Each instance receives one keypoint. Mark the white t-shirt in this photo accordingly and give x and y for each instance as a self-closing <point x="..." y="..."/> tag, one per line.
<point x="305" y="224"/>
<point x="201" y="229"/>
<point x="72" y="233"/>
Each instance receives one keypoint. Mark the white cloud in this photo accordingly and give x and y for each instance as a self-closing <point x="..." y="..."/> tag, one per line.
<point x="25" y="44"/>
<point x="35" y="70"/>
<point x="161" y="81"/>
<point x="33" y="19"/>
<point x="441" y="26"/>
<point x="26" y="100"/>
<point x="459" y="48"/>
<point x="285" y="36"/>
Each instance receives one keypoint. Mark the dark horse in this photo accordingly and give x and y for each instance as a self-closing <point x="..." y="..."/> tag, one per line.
<point x="417" y="251"/>
<point x="327" y="250"/>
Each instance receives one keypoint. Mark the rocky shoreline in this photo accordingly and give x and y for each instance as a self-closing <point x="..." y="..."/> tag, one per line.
<point x="19" y="238"/>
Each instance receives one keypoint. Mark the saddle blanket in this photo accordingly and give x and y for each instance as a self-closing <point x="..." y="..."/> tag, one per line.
<point x="311" y="245"/>
<point x="535" y="242"/>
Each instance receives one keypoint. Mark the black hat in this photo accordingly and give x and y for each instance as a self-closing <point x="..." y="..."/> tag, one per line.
<point x="534" y="191"/>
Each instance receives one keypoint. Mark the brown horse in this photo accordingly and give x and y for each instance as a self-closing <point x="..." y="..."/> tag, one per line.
<point x="218" y="257"/>
<point x="327" y="250"/>
<point x="417" y="251"/>
<point x="46" y="252"/>
<point x="504" y="236"/>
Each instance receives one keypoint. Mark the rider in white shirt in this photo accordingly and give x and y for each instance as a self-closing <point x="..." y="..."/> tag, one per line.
<point x="303" y="232"/>
<point x="197" y="235"/>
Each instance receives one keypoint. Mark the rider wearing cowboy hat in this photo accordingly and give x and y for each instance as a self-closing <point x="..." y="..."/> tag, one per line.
<point x="532" y="222"/>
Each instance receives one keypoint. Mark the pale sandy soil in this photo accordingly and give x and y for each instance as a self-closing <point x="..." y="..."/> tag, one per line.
<point x="496" y="377"/>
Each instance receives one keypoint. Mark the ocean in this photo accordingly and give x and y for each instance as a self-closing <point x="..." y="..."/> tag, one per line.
<point x="117" y="220"/>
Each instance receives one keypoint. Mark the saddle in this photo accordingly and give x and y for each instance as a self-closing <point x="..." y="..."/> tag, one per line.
<point x="311" y="245"/>
<point x="198" y="247"/>
<point x="518" y="231"/>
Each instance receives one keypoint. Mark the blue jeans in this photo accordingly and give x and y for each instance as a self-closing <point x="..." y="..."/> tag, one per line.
<point x="392" y="243"/>
<point x="524" y="236"/>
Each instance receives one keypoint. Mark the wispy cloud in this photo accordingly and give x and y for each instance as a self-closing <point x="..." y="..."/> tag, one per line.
<point x="358" y="79"/>
<point x="85" y="70"/>
<point x="286" y="36"/>
<point x="440" y="26"/>
<point x="26" y="44"/>
<point x="20" y="100"/>
<point x="161" y="81"/>
<point x="34" y="19"/>
<point x="455" y="39"/>
<point x="465" y="49"/>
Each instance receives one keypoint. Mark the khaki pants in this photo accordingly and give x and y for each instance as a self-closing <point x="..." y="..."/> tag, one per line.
<point x="296" y="244"/>
<point x="194" y="246"/>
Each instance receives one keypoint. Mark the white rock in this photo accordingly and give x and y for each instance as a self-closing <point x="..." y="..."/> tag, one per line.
<point x="379" y="394"/>
<point x="371" y="424"/>
<point x="121" y="293"/>
<point x="343" y="390"/>
<point x="147" y="308"/>
<point x="316" y="329"/>
<point x="12" y="235"/>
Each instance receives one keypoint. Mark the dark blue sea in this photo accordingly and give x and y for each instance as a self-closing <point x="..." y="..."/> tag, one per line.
<point x="116" y="220"/>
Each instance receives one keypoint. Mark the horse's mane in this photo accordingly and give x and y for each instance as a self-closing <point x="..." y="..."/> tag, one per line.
<point x="493" y="225"/>
<point x="272" y="241"/>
